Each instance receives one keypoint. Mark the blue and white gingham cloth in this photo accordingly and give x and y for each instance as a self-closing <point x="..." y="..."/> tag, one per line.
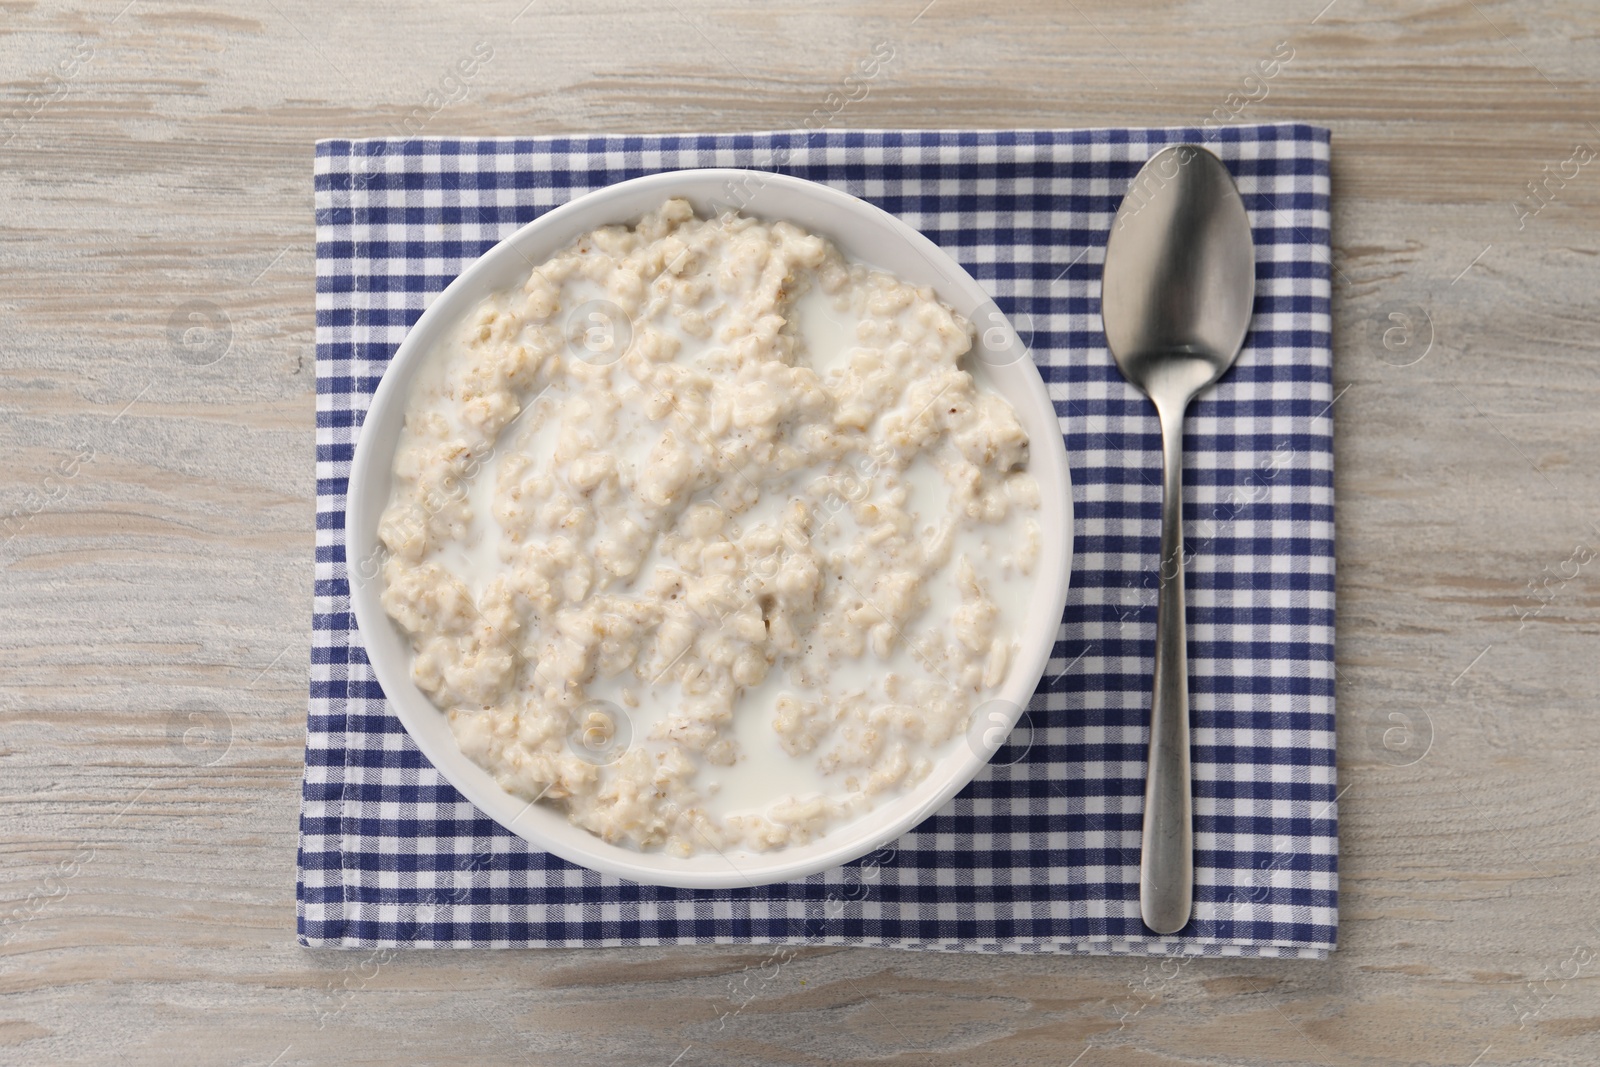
<point x="1041" y="854"/>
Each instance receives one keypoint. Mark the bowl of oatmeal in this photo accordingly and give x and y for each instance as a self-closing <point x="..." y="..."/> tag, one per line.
<point x="712" y="530"/>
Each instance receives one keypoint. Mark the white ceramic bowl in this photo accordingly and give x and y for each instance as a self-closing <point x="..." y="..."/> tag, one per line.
<point x="863" y="233"/>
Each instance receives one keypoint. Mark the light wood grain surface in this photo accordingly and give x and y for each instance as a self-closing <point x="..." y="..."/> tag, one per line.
<point x="155" y="570"/>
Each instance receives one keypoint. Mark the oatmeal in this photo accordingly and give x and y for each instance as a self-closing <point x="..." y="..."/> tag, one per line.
<point x="704" y="535"/>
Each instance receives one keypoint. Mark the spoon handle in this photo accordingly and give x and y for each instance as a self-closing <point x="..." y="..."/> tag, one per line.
<point x="1166" y="865"/>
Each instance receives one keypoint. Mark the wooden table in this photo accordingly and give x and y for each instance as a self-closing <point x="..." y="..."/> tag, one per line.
<point x="156" y="567"/>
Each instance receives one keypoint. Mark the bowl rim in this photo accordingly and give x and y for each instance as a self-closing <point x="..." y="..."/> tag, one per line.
<point x="371" y="466"/>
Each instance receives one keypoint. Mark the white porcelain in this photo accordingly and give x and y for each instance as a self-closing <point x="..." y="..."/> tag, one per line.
<point x="863" y="233"/>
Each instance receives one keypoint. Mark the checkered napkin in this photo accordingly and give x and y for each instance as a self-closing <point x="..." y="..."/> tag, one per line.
<point x="1041" y="852"/>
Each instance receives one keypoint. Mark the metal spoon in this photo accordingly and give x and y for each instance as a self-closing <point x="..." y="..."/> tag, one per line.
<point x="1176" y="296"/>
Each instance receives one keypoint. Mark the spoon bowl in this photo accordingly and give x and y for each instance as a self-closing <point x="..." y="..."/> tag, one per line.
<point x="1177" y="294"/>
<point x="1180" y="273"/>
